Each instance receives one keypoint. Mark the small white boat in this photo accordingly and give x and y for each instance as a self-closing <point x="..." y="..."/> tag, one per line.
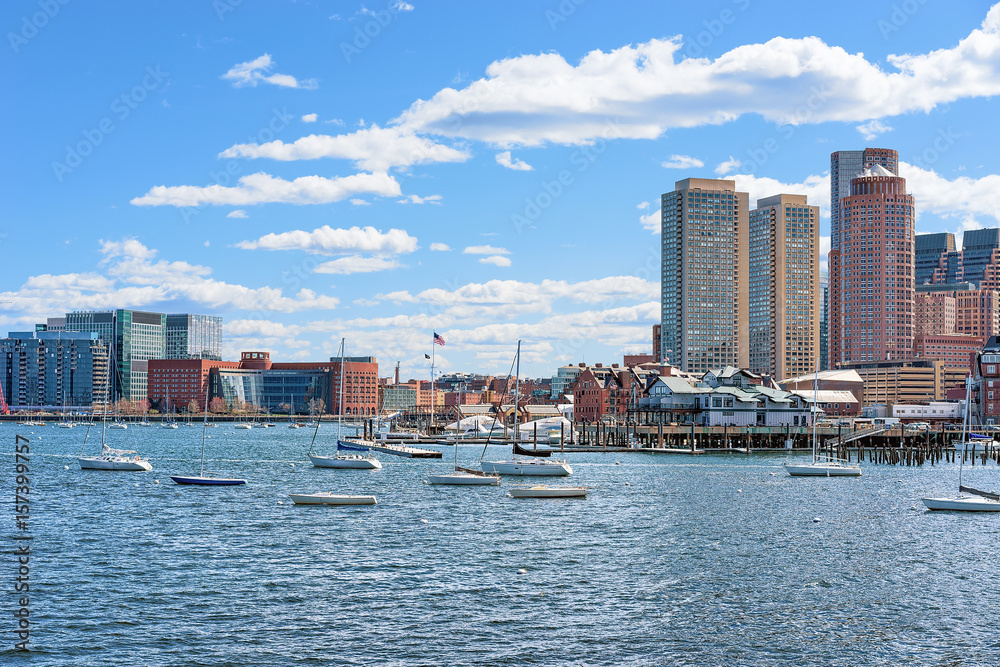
<point x="462" y="478"/>
<point x="820" y="468"/>
<point x="168" y="425"/>
<point x="346" y="461"/>
<point x="528" y="467"/>
<point x="549" y="492"/>
<point x="975" y="445"/>
<point x="118" y="425"/>
<point x="243" y="425"/>
<point x="114" y="459"/>
<point x="326" y="498"/>
<point x="66" y="425"/>
<point x="968" y="499"/>
<point x="963" y="504"/>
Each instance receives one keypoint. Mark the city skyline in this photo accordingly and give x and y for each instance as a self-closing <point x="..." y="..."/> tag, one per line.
<point x="375" y="175"/>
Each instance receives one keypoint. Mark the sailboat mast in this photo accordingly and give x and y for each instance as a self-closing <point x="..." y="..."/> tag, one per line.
<point x="204" y="430"/>
<point x="517" y="381"/>
<point x="343" y="378"/>
<point x="815" y="400"/>
<point x="965" y="430"/>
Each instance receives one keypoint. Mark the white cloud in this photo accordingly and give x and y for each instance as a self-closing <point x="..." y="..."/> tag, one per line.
<point x="328" y="241"/>
<point x="681" y="162"/>
<point x="238" y="213"/>
<point x="496" y="260"/>
<point x="651" y="221"/>
<point x="133" y="279"/>
<point x="728" y="166"/>
<point x="357" y="264"/>
<point x="414" y="199"/>
<point x="401" y="6"/>
<point x="310" y="118"/>
<point x="640" y="91"/>
<point x="440" y="247"/>
<point x="261" y="188"/>
<point x="642" y="206"/>
<point x="517" y="165"/>
<point x="964" y="197"/>
<point x="374" y="148"/>
<point x="872" y="129"/>
<point x="485" y="250"/>
<point x="360" y="202"/>
<point x="258" y="71"/>
<point x="815" y="188"/>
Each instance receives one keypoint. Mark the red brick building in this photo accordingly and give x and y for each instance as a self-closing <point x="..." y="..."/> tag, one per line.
<point x="957" y="350"/>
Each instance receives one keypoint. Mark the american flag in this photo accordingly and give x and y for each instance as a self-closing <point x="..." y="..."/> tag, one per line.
<point x="437" y="339"/>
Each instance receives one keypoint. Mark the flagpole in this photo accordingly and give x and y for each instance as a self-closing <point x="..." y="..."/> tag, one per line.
<point x="432" y="385"/>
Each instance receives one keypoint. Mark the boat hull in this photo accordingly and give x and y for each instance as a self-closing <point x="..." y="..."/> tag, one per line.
<point x="963" y="504"/>
<point x="464" y="479"/>
<point x="346" y="462"/>
<point x="822" y="470"/>
<point x="113" y="463"/>
<point x="528" y="468"/>
<point x="208" y="481"/>
<point x="549" y="492"/>
<point x="330" y="499"/>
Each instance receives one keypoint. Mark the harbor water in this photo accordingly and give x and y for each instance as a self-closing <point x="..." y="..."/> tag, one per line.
<point x="670" y="560"/>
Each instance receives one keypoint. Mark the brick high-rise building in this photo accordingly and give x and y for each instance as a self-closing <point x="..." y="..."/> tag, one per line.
<point x="871" y="272"/>
<point x="785" y="297"/>
<point x="704" y="286"/>
<point x="845" y="166"/>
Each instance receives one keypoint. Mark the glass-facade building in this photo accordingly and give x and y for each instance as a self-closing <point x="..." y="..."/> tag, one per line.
<point x="138" y="337"/>
<point x="193" y="337"/>
<point x="272" y="389"/>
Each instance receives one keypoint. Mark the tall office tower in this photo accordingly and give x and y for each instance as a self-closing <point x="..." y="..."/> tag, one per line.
<point x="846" y="166"/>
<point x="980" y="251"/>
<point x="871" y="272"/>
<point x="785" y="297"/>
<point x="704" y="285"/>
<point x="824" y="351"/>
<point x="930" y="258"/>
<point x="138" y="337"/>
<point x="194" y="337"/>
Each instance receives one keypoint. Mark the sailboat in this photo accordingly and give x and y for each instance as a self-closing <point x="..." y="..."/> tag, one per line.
<point x="464" y="476"/>
<point x="111" y="459"/>
<point x="291" y="415"/>
<point x="201" y="479"/>
<point x="348" y="457"/>
<point x="827" y="467"/>
<point x="169" y="423"/>
<point x="968" y="498"/>
<point x="527" y="464"/>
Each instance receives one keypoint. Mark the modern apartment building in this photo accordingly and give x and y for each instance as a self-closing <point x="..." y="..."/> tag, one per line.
<point x="704" y="299"/>
<point x="53" y="369"/>
<point x="871" y="272"/>
<point x="785" y="298"/>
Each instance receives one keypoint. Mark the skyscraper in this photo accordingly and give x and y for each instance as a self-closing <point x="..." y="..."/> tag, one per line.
<point x="846" y="166"/>
<point x="138" y="337"/>
<point x="704" y="297"/>
<point x="931" y="257"/>
<point x="193" y="337"/>
<point x="785" y="299"/>
<point x="871" y="272"/>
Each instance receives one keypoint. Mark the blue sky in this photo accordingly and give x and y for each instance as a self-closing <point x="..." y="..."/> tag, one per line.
<point x="491" y="171"/>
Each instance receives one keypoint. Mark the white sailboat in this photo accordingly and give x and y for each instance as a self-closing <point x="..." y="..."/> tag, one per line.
<point x="169" y="423"/>
<point x="968" y="499"/>
<point x="525" y="465"/>
<point x="826" y="467"/>
<point x="347" y="457"/>
<point x="542" y="491"/>
<point x="464" y="476"/>
<point x="109" y="458"/>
